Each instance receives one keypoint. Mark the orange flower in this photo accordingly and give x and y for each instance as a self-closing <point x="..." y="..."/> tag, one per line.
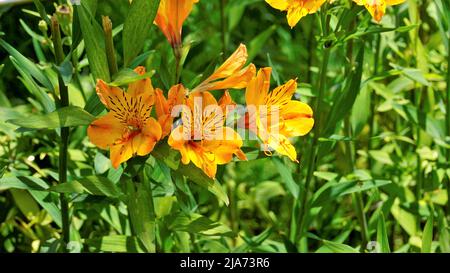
<point x="377" y="8"/>
<point x="128" y="129"/>
<point x="165" y="106"/>
<point x="276" y="117"/>
<point x="296" y="9"/>
<point x="170" y="18"/>
<point x="202" y="138"/>
<point x="231" y="74"/>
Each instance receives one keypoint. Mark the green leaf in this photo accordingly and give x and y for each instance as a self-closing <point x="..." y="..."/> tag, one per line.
<point x="444" y="234"/>
<point x="48" y="201"/>
<point x="427" y="236"/>
<point x="332" y="190"/>
<point x="93" y="185"/>
<point x="199" y="224"/>
<point x="165" y="154"/>
<point x="76" y="28"/>
<point x="41" y="9"/>
<point x="406" y="219"/>
<point x="101" y="163"/>
<point x="347" y="97"/>
<point x="339" y="248"/>
<point x="142" y="213"/>
<point x="70" y="116"/>
<point x="127" y="76"/>
<point x="23" y="182"/>
<point x="137" y="27"/>
<point x="115" y="243"/>
<point x="47" y="103"/>
<point x="25" y="203"/>
<point x="432" y="126"/>
<point x="200" y="178"/>
<point x="382" y="234"/>
<point x="94" y="41"/>
<point x="286" y="177"/>
<point x="382" y="157"/>
<point x="28" y="66"/>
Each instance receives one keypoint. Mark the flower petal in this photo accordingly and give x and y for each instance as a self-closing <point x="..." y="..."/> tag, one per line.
<point x="228" y="142"/>
<point x="105" y="131"/>
<point x="142" y="88"/>
<point x="297" y="119"/>
<point x="111" y="96"/>
<point x="120" y="153"/>
<point x="295" y="13"/>
<point x="281" y="95"/>
<point x="237" y="81"/>
<point x="394" y="2"/>
<point x="281" y="144"/>
<point x="232" y="65"/>
<point x="258" y="87"/>
<point x="144" y="142"/>
<point x="278" y="4"/>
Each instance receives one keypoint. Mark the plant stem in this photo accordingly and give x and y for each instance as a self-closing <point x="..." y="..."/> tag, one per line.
<point x="357" y="197"/>
<point x="350" y="152"/>
<point x="109" y="44"/>
<point x="447" y="116"/>
<point x="419" y="180"/>
<point x="178" y="51"/>
<point x="373" y="97"/>
<point x="152" y="209"/>
<point x="312" y="156"/>
<point x="63" y="158"/>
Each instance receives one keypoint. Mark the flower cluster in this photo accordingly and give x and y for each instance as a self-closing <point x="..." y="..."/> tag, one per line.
<point x="194" y="121"/>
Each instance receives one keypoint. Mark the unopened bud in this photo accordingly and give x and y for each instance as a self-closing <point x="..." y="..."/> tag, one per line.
<point x="43" y="27"/>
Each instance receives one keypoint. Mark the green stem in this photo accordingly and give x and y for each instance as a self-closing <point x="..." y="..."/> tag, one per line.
<point x="357" y="197"/>
<point x="419" y="180"/>
<point x="373" y="101"/>
<point x="447" y="116"/>
<point x="350" y="152"/>
<point x="312" y="156"/>
<point x="359" y="207"/>
<point x="109" y="45"/>
<point x="152" y="210"/>
<point x="63" y="158"/>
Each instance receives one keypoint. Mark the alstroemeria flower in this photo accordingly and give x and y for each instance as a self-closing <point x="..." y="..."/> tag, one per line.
<point x="202" y="138"/>
<point x="231" y="74"/>
<point x="164" y="107"/>
<point x="276" y="117"/>
<point x="377" y="8"/>
<point x="128" y="129"/>
<point x="296" y="9"/>
<point x="170" y="18"/>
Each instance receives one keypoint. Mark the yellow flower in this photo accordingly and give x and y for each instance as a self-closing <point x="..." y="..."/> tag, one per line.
<point x="202" y="138"/>
<point x="296" y="9"/>
<point x="128" y="129"/>
<point x="171" y="16"/>
<point x="276" y="117"/>
<point x="231" y="74"/>
<point x="377" y="8"/>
